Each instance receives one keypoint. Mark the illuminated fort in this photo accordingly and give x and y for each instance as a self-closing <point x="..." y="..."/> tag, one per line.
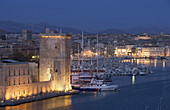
<point x="24" y="79"/>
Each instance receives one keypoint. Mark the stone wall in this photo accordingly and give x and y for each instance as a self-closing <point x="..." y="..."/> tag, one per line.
<point x="19" y="91"/>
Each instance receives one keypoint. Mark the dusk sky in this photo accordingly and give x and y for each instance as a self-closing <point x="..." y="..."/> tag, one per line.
<point x="88" y="14"/>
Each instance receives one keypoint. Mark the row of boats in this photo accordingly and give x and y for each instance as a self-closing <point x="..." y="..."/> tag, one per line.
<point x="90" y="82"/>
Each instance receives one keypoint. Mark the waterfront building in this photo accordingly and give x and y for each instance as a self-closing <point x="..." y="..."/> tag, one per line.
<point x="145" y="51"/>
<point x="167" y="51"/>
<point x="24" y="79"/>
<point x="16" y="80"/>
<point x="124" y="50"/>
<point x="152" y="51"/>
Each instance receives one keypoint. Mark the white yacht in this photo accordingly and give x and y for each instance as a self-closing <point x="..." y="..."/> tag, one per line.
<point x="97" y="85"/>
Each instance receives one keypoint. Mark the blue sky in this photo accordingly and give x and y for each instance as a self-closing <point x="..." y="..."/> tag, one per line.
<point x="88" y="14"/>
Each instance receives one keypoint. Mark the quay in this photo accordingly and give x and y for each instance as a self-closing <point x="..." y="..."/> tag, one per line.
<point x="37" y="98"/>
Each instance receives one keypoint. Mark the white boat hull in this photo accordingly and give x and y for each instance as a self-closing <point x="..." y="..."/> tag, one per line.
<point x="100" y="88"/>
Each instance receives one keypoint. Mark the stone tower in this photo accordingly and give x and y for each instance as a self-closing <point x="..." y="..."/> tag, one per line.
<point x="55" y="50"/>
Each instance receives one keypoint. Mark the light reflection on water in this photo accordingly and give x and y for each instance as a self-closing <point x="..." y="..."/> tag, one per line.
<point x="164" y="64"/>
<point x="151" y="62"/>
<point x="60" y="103"/>
<point x="133" y="79"/>
<point x="47" y="104"/>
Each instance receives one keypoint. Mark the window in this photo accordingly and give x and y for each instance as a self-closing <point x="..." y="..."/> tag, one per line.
<point x="55" y="47"/>
<point x="9" y="73"/>
<point x="28" y="81"/>
<point x="9" y="82"/>
<point x="14" y="81"/>
<point x="19" y="72"/>
<point x="14" y="72"/>
<point x="56" y="70"/>
<point x="24" y="91"/>
<point x="23" y="80"/>
<point x="23" y="72"/>
<point x="19" y="81"/>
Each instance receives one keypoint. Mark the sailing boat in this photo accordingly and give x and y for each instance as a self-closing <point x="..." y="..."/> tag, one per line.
<point x="95" y="84"/>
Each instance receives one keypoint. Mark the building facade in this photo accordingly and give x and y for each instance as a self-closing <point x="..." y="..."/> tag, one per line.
<point x="152" y="51"/>
<point x="17" y="81"/>
<point x="145" y="51"/>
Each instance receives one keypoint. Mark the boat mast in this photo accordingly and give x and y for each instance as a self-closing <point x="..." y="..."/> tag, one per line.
<point x="78" y="59"/>
<point x="91" y="61"/>
<point x="91" y="66"/>
<point x="82" y="50"/>
<point x="97" y="54"/>
<point x="78" y="64"/>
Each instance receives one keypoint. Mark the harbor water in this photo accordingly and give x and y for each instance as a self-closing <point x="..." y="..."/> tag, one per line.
<point x="136" y="93"/>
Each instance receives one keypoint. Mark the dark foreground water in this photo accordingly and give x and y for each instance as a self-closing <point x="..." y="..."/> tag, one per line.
<point x="135" y="94"/>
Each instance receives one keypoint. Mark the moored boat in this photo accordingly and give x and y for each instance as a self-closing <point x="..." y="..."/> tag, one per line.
<point x="97" y="85"/>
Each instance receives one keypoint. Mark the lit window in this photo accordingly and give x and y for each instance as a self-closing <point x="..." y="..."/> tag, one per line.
<point x="23" y="80"/>
<point x="9" y="83"/>
<point x="24" y="91"/>
<point x="14" y="81"/>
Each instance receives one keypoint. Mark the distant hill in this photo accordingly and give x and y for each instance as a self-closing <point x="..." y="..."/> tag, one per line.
<point x="150" y="30"/>
<point x="137" y="30"/>
<point x="114" y="31"/>
<point x="11" y="26"/>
